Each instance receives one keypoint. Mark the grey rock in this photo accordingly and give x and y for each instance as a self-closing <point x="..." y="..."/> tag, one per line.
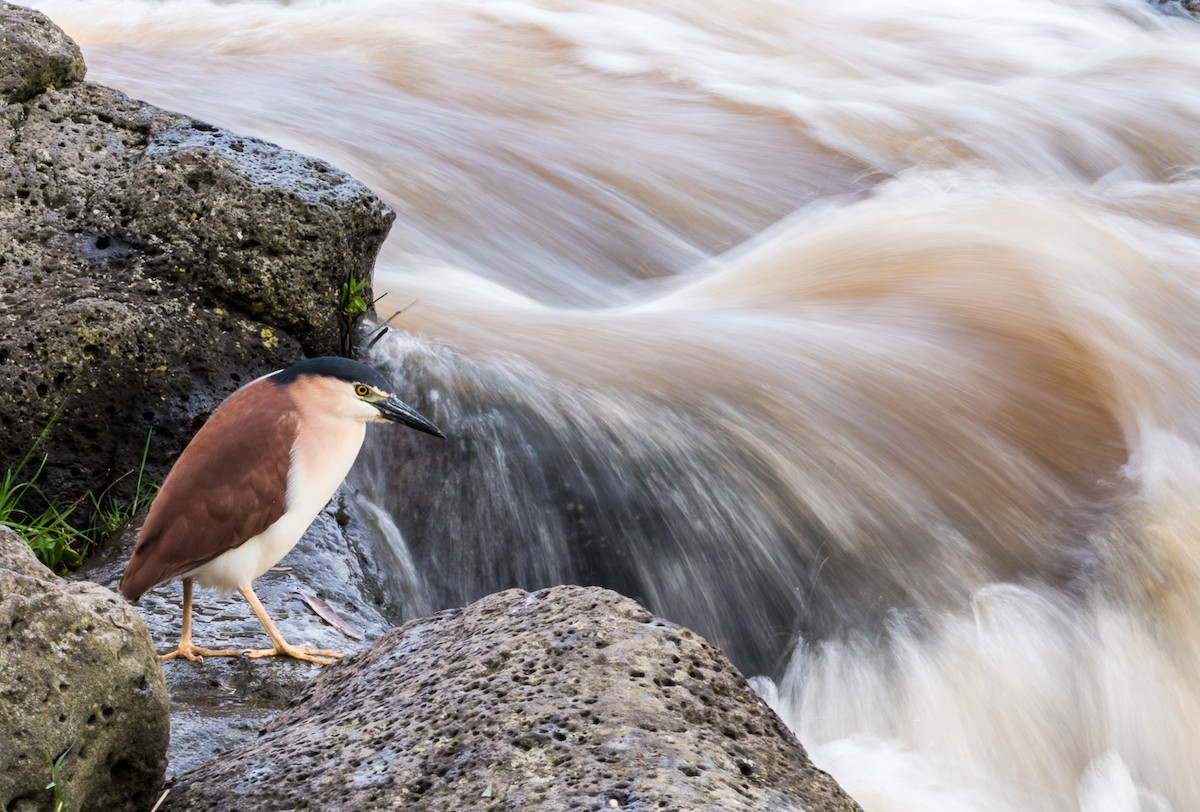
<point x="149" y="264"/>
<point x="222" y="702"/>
<point x="78" y="674"/>
<point x="37" y="54"/>
<point x="568" y="698"/>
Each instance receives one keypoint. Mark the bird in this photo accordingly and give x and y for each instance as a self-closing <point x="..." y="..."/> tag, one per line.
<point x="251" y="481"/>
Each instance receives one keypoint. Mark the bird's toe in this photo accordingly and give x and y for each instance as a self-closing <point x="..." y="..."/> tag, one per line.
<point x="311" y="655"/>
<point x="196" y="654"/>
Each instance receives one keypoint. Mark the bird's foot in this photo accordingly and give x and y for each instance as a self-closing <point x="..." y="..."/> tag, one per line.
<point x="196" y="654"/>
<point x="312" y="655"/>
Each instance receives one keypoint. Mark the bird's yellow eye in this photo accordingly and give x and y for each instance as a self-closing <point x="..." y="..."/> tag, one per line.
<point x="362" y="390"/>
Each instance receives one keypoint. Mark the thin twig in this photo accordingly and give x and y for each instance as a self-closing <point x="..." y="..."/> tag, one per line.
<point x="382" y="331"/>
<point x="161" y="798"/>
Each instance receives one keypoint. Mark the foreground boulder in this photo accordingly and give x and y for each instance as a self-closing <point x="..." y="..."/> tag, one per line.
<point x="568" y="698"/>
<point x="79" y="676"/>
<point x="151" y="263"/>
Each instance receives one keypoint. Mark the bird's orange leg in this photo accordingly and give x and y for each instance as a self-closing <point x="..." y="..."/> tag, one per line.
<point x="312" y="655"/>
<point x="185" y="649"/>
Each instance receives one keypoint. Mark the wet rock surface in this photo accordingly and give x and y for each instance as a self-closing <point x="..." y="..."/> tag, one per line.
<point x="222" y="702"/>
<point x="150" y="264"/>
<point x="568" y="698"/>
<point x="78" y="676"/>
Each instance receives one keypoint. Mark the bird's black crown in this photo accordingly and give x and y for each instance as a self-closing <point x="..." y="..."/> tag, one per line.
<point x="333" y="366"/>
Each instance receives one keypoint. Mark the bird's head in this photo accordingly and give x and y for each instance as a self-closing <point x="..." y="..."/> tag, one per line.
<point x="353" y="390"/>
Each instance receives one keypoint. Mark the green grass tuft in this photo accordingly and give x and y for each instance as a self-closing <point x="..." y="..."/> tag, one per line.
<point x="60" y="541"/>
<point x="55" y="785"/>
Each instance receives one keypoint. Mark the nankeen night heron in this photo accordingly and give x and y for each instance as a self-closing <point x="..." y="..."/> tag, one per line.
<point x="251" y="482"/>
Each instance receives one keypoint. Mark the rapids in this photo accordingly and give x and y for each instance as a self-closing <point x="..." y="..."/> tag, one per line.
<point x="861" y="337"/>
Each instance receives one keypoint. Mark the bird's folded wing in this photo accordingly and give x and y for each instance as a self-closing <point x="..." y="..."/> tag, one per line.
<point x="228" y="485"/>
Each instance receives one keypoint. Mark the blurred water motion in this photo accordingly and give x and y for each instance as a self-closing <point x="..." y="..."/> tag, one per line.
<point x="862" y="338"/>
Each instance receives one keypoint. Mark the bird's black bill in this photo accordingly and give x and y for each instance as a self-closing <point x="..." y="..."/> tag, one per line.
<point x="398" y="411"/>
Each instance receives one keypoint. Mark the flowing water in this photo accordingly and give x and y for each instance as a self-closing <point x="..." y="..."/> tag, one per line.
<point x="862" y="337"/>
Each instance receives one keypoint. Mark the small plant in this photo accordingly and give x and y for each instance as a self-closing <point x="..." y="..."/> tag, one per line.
<point x="351" y="299"/>
<point x="108" y="515"/>
<point x="59" y="543"/>
<point x="55" y="785"/>
<point x="352" y="306"/>
<point x="53" y="540"/>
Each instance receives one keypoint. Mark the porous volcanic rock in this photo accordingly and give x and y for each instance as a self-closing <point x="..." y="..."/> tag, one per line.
<point x="571" y="698"/>
<point x="37" y="54"/>
<point x="78" y="675"/>
<point x="150" y="263"/>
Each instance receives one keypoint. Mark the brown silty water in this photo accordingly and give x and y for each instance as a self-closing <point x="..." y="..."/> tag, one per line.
<point x="860" y="338"/>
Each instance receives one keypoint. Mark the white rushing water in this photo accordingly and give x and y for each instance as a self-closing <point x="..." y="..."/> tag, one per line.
<point x="863" y="337"/>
